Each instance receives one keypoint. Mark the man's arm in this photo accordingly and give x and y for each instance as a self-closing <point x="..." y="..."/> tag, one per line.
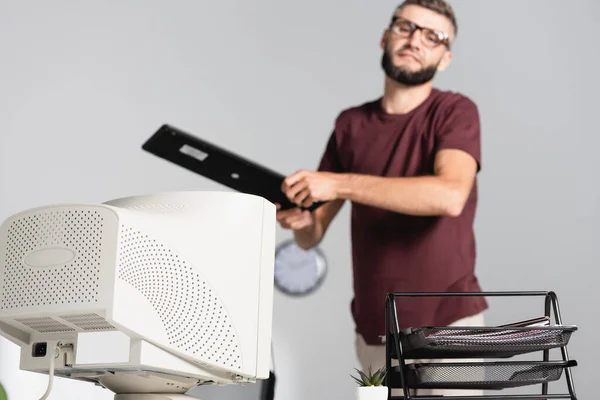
<point x="442" y="194"/>
<point x="312" y="235"/>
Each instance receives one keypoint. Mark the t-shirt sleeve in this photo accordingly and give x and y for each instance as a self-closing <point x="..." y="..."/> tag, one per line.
<point x="461" y="129"/>
<point x="330" y="161"/>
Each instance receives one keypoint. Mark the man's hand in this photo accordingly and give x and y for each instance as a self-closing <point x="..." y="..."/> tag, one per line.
<point x="307" y="187"/>
<point x="295" y="218"/>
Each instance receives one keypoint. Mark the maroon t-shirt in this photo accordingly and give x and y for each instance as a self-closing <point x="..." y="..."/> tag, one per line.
<point x="394" y="252"/>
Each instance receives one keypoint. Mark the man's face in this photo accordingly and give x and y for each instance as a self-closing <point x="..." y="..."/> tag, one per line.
<point x="413" y="59"/>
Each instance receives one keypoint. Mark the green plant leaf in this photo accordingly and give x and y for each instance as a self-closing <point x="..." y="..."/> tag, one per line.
<point x="379" y="377"/>
<point x="364" y="377"/>
<point x="370" y="378"/>
<point x="360" y="382"/>
<point x="3" y="395"/>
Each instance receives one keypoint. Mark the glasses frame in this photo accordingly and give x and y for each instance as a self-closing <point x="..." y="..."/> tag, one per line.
<point x="443" y="37"/>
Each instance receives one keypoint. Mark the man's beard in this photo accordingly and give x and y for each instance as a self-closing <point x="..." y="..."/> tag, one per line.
<point x="404" y="76"/>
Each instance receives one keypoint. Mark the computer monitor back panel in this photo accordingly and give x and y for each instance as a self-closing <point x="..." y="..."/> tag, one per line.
<point x="191" y="273"/>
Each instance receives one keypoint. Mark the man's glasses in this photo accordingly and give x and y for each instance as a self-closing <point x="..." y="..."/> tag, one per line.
<point x="430" y="37"/>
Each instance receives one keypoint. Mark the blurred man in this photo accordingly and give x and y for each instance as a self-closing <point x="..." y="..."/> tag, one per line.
<point x="408" y="163"/>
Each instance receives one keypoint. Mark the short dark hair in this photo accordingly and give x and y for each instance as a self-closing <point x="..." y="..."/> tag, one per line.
<point x="439" y="6"/>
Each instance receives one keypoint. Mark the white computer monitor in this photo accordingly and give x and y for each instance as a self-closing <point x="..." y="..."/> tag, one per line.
<point x="145" y="294"/>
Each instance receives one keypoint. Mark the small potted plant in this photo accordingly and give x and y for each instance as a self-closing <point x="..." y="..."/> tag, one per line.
<point x="371" y="385"/>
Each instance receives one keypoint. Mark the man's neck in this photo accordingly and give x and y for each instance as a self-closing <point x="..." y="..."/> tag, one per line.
<point x="402" y="99"/>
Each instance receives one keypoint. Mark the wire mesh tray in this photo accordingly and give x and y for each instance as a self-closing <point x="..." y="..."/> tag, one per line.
<point x="484" y="375"/>
<point x="481" y="342"/>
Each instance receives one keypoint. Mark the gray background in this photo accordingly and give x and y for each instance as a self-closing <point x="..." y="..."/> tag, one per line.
<point x="83" y="84"/>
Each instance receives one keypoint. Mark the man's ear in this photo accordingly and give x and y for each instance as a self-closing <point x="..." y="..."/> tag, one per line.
<point x="383" y="40"/>
<point x="446" y="61"/>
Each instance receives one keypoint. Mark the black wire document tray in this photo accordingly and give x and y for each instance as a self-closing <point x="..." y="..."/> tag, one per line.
<point x="483" y="375"/>
<point x="480" y="342"/>
<point x="478" y="358"/>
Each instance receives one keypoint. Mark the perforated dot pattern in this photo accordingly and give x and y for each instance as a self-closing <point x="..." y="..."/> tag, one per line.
<point x="73" y="283"/>
<point x="89" y="322"/>
<point x="194" y="317"/>
<point x="45" y="325"/>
